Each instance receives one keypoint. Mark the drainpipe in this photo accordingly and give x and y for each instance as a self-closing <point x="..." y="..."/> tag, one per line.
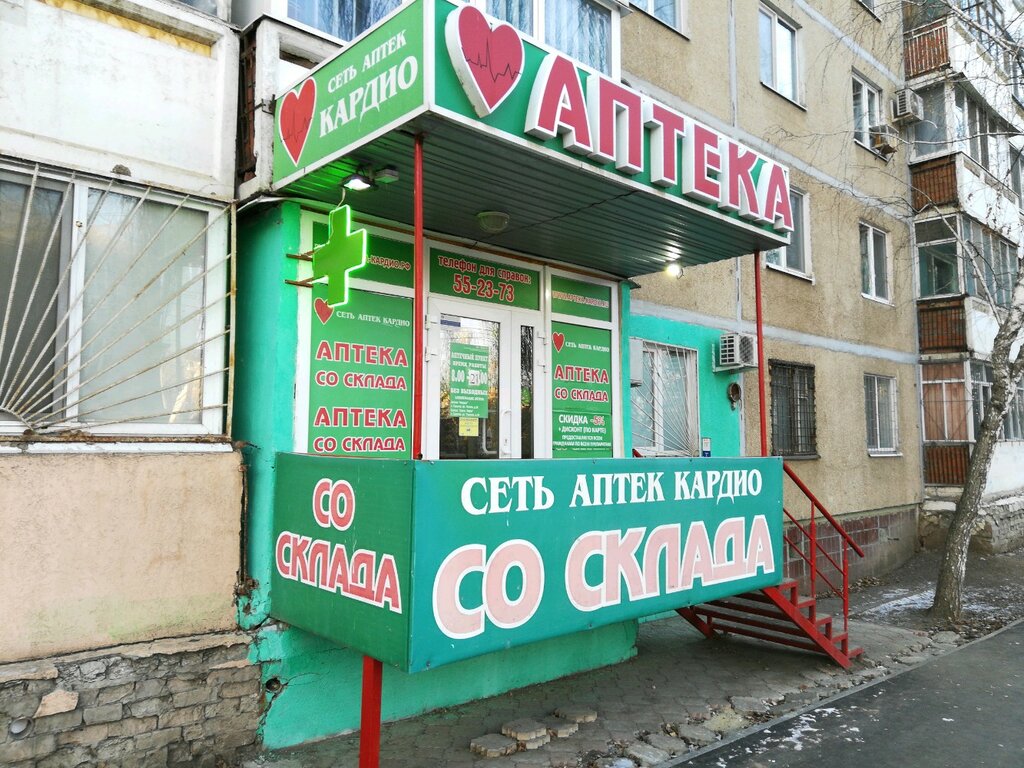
<point x="761" y="394"/>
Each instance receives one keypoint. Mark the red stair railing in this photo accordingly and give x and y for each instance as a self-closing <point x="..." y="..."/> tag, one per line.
<point x="809" y="548"/>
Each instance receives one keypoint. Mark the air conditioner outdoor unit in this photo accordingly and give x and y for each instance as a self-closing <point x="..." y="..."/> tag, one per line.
<point x="737" y="350"/>
<point x="908" y="107"/>
<point x="884" y="139"/>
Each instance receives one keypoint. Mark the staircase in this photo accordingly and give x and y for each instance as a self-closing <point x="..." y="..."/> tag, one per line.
<point x="781" y="614"/>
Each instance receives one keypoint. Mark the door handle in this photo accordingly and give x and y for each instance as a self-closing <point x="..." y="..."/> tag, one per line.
<point x="506" y="444"/>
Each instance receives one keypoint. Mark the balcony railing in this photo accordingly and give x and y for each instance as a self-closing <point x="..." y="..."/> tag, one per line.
<point x="926" y="49"/>
<point x="946" y="463"/>
<point x="941" y="325"/>
<point x="933" y="182"/>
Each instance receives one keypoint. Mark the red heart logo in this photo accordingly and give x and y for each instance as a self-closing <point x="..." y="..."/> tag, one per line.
<point x="558" y="339"/>
<point x="296" y="117"/>
<point x="487" y="61"/>
<point x="323" y="310"/>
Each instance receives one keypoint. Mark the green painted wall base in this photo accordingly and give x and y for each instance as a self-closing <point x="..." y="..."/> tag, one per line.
<point x="321" y="683"/>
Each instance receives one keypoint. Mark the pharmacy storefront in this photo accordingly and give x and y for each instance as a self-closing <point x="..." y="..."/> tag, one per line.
<point x="433" y="374"/>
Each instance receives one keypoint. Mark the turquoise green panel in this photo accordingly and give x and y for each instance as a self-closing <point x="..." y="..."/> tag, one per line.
<point x="718" y="419"/>
<point x="320" y="683"/>
<point x="265" y="348"/>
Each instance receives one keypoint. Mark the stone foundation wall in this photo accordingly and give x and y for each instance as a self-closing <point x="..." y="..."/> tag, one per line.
<point x="888" y="538"/>
<point x="999" y="527"/>
<point x="186" y="701"/>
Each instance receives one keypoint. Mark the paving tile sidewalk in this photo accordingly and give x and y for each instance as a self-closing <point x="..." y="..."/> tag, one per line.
<point x="677" y="677"/>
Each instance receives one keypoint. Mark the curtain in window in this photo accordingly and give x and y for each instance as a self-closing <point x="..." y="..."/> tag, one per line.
<point x="342" y="18"/>
<point x="582" y="29"/>
<point x="518" y="13"/>
<point x="145" y="364"/>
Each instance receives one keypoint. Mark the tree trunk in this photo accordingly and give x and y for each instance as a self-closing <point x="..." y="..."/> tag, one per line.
<point x="948" y="603"/>
<point x="949" y="589"/>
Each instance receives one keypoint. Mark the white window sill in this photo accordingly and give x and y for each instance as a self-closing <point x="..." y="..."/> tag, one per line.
<point x="50" y="447"/>
<point x="872" y="151"/>
<point x="870" y="11"/>
<point x="684" y="33"/>
<point x="877" y="300"/>
<point x="790" y="271"/>
<point x="885" y="454"/>
<point x="783" y="96"/>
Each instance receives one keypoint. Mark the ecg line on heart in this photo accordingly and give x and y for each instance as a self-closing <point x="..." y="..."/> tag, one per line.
<point x="486" y="64"/>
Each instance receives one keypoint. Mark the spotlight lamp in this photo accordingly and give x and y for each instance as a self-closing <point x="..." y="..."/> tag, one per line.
<point x="358" y="181"/>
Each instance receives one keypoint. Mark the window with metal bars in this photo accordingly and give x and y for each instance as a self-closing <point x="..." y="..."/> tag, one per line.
<point x="665" y="410"/>
<point x="792" y="408"/>
<point x="113" y="300"/>
<point x="880" y="413"/>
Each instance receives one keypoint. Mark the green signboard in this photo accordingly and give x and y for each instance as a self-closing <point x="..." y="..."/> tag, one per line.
<point x="581" y="391"/>
<point x="360" y="376"/>
<point x="466" y="277"/>
<point x="467" y="392"/>
<point x="483" y="74"/>
<point x="420" y="564"/>
<point x="373" y="85"/>
<point x="580" y="298"/>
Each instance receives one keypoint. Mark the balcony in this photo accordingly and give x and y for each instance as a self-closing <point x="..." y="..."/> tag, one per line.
<point x="926" y="49"/>
<point x="941" y="326"/>
<point x="946" y="463"/>
<point x="933" y="182"/>
<point x="977" y="48"/>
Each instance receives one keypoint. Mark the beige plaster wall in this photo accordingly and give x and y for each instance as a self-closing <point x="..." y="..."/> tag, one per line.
<point x="102" y="549"/>
<point x="844" y="477"/>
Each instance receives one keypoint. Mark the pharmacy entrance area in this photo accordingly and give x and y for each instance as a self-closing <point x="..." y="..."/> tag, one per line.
<point x="444" y="503"/>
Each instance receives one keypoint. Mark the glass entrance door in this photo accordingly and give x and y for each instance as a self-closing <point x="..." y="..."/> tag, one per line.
<point x="480" y="374"/>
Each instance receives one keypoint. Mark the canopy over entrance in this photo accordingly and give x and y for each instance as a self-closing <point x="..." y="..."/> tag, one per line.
<point x="588" y="171"/>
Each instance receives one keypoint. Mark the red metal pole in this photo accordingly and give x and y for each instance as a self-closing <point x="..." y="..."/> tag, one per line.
<point x="418" y="303"/>
<point x="762" y="397"/>
<point x="369" y="725"/>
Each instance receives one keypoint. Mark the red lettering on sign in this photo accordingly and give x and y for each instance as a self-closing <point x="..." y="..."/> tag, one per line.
<point x="775" y="182"/>
<point x="557" y="105"/>
<point x="667" y="127"/>
<point x="616" y="124"/>
<point x="740" y="191"/>
<point x="702" y="164"/>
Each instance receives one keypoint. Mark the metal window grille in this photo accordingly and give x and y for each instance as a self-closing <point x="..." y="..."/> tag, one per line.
<point x="114" y="305"/>
<point x="665" y="410"/>
<point x="794" y="432"/>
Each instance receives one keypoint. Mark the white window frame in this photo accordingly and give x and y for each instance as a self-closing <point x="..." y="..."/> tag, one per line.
<point x="862" y="133"/>
<point x="946" y="399"/>
<point x="780" y="20"/>
<point x="213" y="416"/>
<point x="682" y="24"/>
<point x="800" y="202"/>
<point x="691" y="359"/>
<point x="538" y="34"/>
<point x="282" y="5"/>
<point x="880" y="450"/>
<point x="952" y="236"/>
<point x="872" y="231"/>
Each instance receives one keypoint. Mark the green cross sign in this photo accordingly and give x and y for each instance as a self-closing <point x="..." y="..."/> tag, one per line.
<point x="344" y="252"/>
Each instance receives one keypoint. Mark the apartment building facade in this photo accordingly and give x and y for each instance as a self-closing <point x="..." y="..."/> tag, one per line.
<point x="840" y="334"/>
<point x="121" y="492"/>
<point x="966" y="180"/>
<point x="124" y="204"/>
